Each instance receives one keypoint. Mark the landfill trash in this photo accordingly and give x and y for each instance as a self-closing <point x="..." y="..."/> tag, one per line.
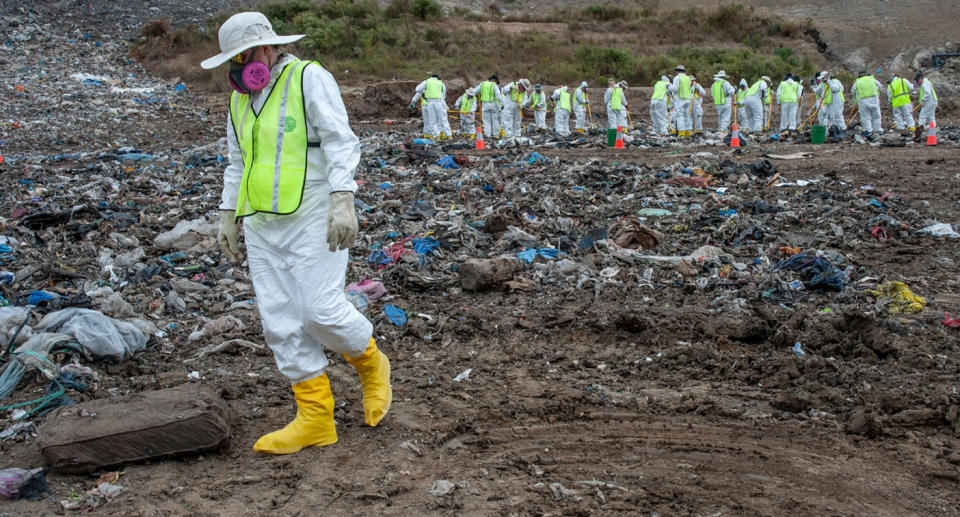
<point x="15" y="431"/>
<point x="951" y="322"/>
<point x="463" y="376"/>
<point x="396" y="315"/>
<point x="16" y="483"/>
<point x="101" y="336"/>
<point x="528" y="255"/>
<point x="372" y="289"/>
<point x="899" y="299"/>
<point x="798" y="350"/>
<point x="940" y="230"/>
<point x="482" y="274"/>
<point x="442" y="487"/>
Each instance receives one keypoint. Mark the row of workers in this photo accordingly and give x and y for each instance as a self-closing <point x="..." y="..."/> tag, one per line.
<point x="676" y="105"/>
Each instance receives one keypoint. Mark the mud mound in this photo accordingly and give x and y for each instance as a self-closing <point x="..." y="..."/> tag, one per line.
<point x="382" y="100"/>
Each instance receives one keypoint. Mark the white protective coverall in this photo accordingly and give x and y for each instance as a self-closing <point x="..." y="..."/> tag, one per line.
<point x="435" y="120"/>
<point x="490" y="111"/>
<point x="540" y="110"/>
<point x="616" y="118"/>
<point x="681" y="106"/>
<point x="753" y="108"/>
<point x="696" y="107"/>
<point x="928" y="105"/>
<point x="835" y="109"/>
<point x="580" y="100"/>
<point x="297" y="280"/>
<point x="467" y="120"/>
<point x="561" y="117"/>
<point x="902" y="115"/>
<point x="510" y="118"/>
<point x="723" y="110"/>
<point x="869" y="108"/>
<point x="788" y="109"/>
<point x="658" y="111"/>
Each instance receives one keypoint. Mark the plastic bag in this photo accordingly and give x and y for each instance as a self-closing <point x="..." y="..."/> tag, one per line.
<point x="100" y="335"/>
<point x="16" y="483"/>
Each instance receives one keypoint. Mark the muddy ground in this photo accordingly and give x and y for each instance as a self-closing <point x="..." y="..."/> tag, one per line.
<point x="623" y="388"/>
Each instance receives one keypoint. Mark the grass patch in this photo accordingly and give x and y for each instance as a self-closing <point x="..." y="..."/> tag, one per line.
<point x="407" y="38"/>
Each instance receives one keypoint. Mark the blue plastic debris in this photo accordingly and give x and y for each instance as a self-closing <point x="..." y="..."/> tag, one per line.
<point x="135" y="157"/>
<point x="379" y="257"/>
<point x="798" y="350"/>
<point x="395" y="315"/>
<point x="180" y="88"/>
<point x="425" y="245"/>
<point x="422" y="141"/>
<point x="488" y="188"/>
<point x="535" y="157"/>
<point x="92" y="82"/>
<point x="529" y="254"/>
<point x="37" y="297"/>
<point x="878" y="204"/>
<point x="385" y="185"/>
<point x="447" y="162"/>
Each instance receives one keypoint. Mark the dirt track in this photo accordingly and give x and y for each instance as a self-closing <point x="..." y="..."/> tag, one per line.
<point x="635" y="396"/>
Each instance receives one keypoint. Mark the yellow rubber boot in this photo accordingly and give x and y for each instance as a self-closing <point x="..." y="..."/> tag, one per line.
<point x="374" y="369"/>
<point x="314" y="422"/>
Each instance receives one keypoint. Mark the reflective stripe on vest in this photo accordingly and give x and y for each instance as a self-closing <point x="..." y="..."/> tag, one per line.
<point x="899" y="96"/>
<point x="563" y="102"/>
<point x="684" y="90"/>
<point x="934" y="92"/>
<point x="719" y="96"/>
<point x="487" y="93"/>
<point x="788" y="91"/>
<point x="616" y="98"/>
<point x="433" y="88"/>
<point x="866" y="87"/>
<point x="467" y="104"/>
<point x="274" y="146"/>
<point x="660" y="90"/>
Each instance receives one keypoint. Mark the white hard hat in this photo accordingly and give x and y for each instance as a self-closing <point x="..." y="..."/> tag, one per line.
<point x="681" y="68"/>
<point x="242" y="32"/>
<point x="720" y="75"/>
<point x="583" y="84"/>
<point x="525" y="83"/>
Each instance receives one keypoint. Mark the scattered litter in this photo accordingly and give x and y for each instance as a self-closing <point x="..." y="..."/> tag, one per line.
<point x="899" y="299"/>
<point x="463" y="376"/>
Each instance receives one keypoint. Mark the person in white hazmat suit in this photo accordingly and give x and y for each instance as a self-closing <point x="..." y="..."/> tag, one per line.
<point x="788" y="97"/>
<point x="753" y="105"/>
<point x="516" y="96"/>
<point x="928" y="102"/>
<point x="563" y="105"/>
<point x="466" y="105"/>
<point x="682" y="93"/>
<point x="898" y="91"/>
<point x="580" y="102"/>
<point x="696" y="105"/>
<point x="435" y="124"/>
<point x="490" y="102"/>
<point x="723" y="94"/>
<point x="820" y="102"/>
<point x="616" y="101"/>
<point x="658" y="106"/>
<point x="538" y="102"/>
<point x="833" y="102"/>
<point x="292" y="157"/>
<point x="867" y="91"/>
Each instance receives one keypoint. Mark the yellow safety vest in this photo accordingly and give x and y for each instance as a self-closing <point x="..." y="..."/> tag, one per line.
<point x="660" y="90"/>
<point x="741" y="95"/>
<point x="684" y="91"/>
<point x="586" y="98"/>
<point x="828" y="99"/>
<point x="719" y="96"/>
<point x="515" y="93"/>
<point x="535" y="100"/>
<point x="899" y="96"/>
<point x="274" y="146"/>
<point x="433" y="89"/>
<point x="616" y="98"/>
<point x="563" y="102"/>
<point x="487" y="92"/>
<point x="754" y="89"/>
<point x="866" y="87"/>
<point x="788" y="91"/>
<point x="467" y="104"/>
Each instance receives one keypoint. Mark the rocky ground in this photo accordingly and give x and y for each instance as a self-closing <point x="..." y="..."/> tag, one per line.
<point x="698" y="332"/>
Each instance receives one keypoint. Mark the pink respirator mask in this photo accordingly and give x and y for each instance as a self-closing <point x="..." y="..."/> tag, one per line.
<point x="248" y="78"/>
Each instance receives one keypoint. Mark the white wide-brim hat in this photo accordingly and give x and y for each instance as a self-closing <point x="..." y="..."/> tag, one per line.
<point x="244" y="31"/>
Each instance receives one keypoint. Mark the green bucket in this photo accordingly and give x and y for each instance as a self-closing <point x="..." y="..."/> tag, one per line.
<point x="818" y="134"/>
<point x="611" y="137"/>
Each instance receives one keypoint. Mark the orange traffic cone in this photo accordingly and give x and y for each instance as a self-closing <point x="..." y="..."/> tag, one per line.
<point x="480" y="144"/>
<point x="932" y="135"/>
<point x="619" y="143"/>
<point x="735" y="136"/>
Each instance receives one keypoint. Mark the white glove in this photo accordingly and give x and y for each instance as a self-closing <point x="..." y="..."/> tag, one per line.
<point x="342" y="227"/>
<point x="227" y="235"/>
